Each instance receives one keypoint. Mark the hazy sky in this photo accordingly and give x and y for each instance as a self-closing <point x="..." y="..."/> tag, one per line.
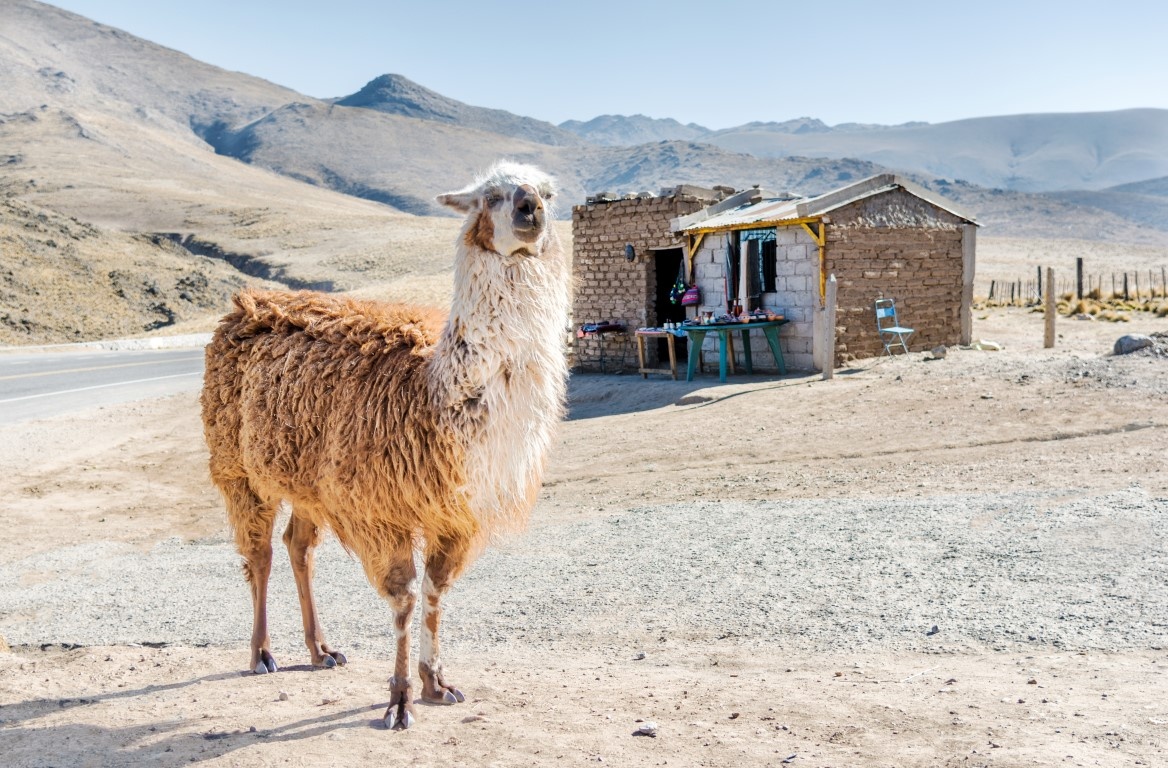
<point x="715" y="63"/>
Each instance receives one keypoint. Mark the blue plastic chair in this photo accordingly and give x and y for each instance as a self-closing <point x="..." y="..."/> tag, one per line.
<point x="891" y="331"/>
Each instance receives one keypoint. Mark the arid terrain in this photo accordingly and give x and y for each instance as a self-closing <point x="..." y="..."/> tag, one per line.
<point x="953" y="562"/>
<point x="921" y="562"/>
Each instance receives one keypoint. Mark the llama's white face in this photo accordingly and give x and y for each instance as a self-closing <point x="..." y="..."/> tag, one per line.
<point x="507" y="210"/>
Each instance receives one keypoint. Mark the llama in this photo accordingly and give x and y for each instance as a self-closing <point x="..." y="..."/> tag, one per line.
<point x="392" y="429"/>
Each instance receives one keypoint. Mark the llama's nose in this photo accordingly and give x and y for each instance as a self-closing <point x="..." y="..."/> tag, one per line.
<point x="526" y="200"/>
<point x="527" y="222"/>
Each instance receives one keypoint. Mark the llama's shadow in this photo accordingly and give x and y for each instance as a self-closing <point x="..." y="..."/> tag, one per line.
<point x="22" y="711"/>
<point x="591" y="395"/>
<point x="163" y="743"/>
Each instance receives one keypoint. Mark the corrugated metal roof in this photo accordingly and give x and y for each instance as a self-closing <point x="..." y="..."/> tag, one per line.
<point x="772" y="210"/>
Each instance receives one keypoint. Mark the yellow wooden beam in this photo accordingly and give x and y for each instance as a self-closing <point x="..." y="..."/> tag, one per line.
<point x="695" y="242"/>
<point x="819" y="235"/>
<point x="813" y="225"/>
<point x="755" y="225"/>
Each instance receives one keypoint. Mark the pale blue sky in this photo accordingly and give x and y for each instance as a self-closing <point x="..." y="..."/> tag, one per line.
<point x="715" y="63"/>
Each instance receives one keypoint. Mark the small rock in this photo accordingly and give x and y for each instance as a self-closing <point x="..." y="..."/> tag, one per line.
<point x="934" y="630"/>
<point x="940" y="352"/>
<point x="1132" y="342"/>
<point x="283" y="695"/>
<point x="1032" y="681"/>
<point x="648" y="728"/>
<point x="638" y="656"/>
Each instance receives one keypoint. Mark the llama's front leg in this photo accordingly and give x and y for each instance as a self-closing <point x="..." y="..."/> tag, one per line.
<point x="301" y="538"/>
<point x="443" y="564"/>
<point x="400" y="587"/>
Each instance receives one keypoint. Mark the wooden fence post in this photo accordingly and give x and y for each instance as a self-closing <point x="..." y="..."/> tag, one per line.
<point x="1051" y="310"/>
<point x="1078" y="277"/>
<point x="829" y="302"/>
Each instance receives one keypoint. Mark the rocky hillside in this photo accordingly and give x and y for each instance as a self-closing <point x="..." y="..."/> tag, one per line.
<point x="1025" y="153"/>
<point x="64" y="280"/>
<point x="627" y="131"/>
<point x="397" y="95"/>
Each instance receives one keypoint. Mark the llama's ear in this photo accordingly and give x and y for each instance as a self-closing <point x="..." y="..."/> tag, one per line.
<point x="463" y="202"/>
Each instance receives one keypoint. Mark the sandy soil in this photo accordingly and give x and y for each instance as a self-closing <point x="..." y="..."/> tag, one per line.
<point x="1062" y="424"/>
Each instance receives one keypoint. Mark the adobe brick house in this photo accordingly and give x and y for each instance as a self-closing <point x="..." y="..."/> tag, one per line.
<point x="881" y="237"/>
<point x="609" y="286"/>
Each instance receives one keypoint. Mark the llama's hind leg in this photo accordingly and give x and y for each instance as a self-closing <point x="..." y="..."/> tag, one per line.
<point x="253" y="521"/>
<point x="445" y="560"/>
<point x="400" y="585"/>
<point x="301" y="537"/>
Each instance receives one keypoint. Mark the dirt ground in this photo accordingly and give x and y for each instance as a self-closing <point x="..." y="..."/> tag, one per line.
<point x="1069" y="421"/>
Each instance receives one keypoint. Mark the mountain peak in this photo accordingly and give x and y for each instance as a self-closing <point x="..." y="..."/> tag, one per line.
<point x="398" y="95"/>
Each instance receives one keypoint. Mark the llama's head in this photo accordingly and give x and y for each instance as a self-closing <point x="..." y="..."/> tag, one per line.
<point x="508" y="209"/>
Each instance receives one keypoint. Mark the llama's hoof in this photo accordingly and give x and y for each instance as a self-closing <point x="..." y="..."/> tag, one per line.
<point x="445" y="694"/>
<point x="400" y="714"/>
<point x="398" y="720"/>
<point x="266" y="664"/>
<point x="435" y="689"/>
<point x="331" y="659"/>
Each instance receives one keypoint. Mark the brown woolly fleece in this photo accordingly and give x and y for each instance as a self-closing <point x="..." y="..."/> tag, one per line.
<point x="322" y="401"/>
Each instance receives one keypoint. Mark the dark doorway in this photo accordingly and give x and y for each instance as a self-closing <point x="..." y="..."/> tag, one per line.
<point x="667" y="264"/>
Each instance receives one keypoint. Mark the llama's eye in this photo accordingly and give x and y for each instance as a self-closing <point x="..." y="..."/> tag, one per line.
<point x="493" y="199"/>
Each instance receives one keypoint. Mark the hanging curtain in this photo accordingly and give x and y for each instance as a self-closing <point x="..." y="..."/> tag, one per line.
<point x="769" y="263"/>
<point x="732" y="269"/>
<point x="753" y="275"/>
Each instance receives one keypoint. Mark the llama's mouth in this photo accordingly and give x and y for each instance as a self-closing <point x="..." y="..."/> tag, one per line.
<point x="527" y="221"/>
<point x="528" y="226"/>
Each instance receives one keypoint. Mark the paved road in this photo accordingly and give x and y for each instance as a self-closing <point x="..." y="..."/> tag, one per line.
<point x="41" y="384"/>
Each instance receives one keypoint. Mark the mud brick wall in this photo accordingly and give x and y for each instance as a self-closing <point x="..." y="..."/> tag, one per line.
<point x="607" y="287"/>
<point x="900" y="247"/>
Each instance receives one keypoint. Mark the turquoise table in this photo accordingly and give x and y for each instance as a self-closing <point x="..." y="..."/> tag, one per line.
<point x="697" y="335"/>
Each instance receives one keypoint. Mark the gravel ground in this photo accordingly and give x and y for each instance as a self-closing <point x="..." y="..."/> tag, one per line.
<point x="1003" y="571"/>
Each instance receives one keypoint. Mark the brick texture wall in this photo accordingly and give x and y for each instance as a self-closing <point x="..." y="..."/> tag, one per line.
<point x="607" y="287"/>
<point x="900" y="247"/>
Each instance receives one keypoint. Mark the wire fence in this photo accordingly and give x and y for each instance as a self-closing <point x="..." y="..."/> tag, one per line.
<point x="1137" y="287"/>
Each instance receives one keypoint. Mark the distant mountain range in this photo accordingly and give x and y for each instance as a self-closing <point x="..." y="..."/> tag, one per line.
<point x="1096" y="175"/>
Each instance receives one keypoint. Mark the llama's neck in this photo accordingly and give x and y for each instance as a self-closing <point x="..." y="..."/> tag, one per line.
<point x="498" y="374"/>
